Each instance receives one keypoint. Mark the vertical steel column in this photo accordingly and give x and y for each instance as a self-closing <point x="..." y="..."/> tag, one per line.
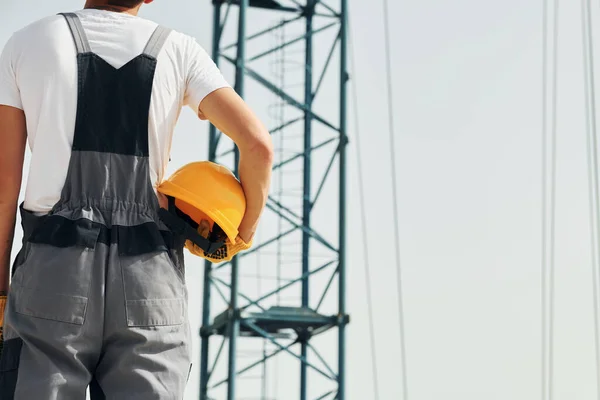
<point x="342" y="200"/>
<point x="212" y="155"/>
<point x="306" y="203"/>
<point x="234" y="321"/>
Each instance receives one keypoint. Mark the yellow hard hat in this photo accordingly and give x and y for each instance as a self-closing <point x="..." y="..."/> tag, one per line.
<point x="206" y="205"/>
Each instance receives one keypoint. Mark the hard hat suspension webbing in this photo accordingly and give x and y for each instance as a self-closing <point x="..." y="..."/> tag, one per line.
<point x="182" y="227"/>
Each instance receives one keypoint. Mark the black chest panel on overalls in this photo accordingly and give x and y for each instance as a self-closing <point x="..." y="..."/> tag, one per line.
<point x="108" y="196"/>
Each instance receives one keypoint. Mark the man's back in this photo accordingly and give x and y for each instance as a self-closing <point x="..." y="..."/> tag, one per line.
<point x="39" y="68"/>
<point x="97" y="295"/>
<point x="101" y="284"/>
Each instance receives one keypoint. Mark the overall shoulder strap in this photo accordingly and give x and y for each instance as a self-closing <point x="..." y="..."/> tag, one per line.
<point x="81" y="42"/>
<point x="157" y="41"/>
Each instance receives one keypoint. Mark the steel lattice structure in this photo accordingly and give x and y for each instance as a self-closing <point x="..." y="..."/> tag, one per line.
<point x="300" y="246"/>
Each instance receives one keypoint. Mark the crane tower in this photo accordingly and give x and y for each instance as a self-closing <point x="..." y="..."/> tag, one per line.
<point x="274" y="318"/>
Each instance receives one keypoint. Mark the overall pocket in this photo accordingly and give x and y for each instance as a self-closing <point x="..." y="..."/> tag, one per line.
<point x="53" y="283"/>
<point x="154" y="290"/>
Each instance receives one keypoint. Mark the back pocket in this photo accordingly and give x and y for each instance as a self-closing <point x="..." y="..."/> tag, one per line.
<point x="154" y="290"/>
<point x="53" y="283"/>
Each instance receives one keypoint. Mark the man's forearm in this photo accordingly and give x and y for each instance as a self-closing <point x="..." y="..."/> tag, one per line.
<point x="13" y="135"/>
<point x="8" y="214"/>
<point x="227" y="111"/>
<point x="255" y="176"/>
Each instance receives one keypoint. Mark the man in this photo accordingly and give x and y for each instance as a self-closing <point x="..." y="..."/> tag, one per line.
<point x="97" y="293"/>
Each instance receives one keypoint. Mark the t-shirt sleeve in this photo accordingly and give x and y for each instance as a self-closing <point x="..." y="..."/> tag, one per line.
<point x="203" y="75"/>
<point x="9" y="90"/>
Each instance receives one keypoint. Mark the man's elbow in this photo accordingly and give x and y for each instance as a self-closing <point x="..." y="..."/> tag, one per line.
<point x="267" y="150"/>
<point x="262" y="148"/>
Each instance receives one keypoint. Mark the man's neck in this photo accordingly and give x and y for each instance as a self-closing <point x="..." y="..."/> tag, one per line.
<point x="108" y="7"/>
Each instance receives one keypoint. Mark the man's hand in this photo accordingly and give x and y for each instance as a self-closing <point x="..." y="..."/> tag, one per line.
<point x="13" y="136"/>
<point x="226" y="110"/>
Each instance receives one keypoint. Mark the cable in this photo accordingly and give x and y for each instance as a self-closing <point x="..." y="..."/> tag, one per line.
<point x="395" y="194"/>
<point x="259" y="278"/>
<point x="553" y="205"/>
<point x="548" y="244"/>
<point x="592" y="159"/>
<point x="544" y="179"/>
<point x="280" y="115"/>
<point x="553" y="201"/>
<point x="363" y="217"/>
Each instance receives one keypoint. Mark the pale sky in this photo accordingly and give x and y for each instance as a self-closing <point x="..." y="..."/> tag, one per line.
<point x="467" y="87"/>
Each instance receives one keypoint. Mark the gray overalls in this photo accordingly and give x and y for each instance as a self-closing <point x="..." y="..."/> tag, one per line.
<point x="98" y="295"/>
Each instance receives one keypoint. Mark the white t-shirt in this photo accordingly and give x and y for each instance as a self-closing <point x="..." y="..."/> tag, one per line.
<point x="38" y="74"/>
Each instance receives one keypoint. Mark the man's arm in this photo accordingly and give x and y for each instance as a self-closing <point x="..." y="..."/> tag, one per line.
<point x="225" y="109"/>
<point x="13" y="137"/>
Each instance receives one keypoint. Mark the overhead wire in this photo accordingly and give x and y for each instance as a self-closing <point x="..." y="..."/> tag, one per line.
<point x="592" y="159"/>
<point x="543" y="255"/>
<point x="280" y="118"/>
<point x="363" y="218"/>
<point x="548" y="207"/>
<point x="392" y="149"/>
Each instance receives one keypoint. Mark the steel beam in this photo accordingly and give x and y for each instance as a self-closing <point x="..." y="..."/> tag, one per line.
<point x="342" y="202"/>
<point x="206" y="298"/>
<point x="307" y="196"/>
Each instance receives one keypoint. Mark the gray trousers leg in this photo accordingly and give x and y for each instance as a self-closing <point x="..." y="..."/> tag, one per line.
<point x="84" y="315"/>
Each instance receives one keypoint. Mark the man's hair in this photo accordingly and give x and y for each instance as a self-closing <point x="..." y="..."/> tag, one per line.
<point x="125" y="3"/>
